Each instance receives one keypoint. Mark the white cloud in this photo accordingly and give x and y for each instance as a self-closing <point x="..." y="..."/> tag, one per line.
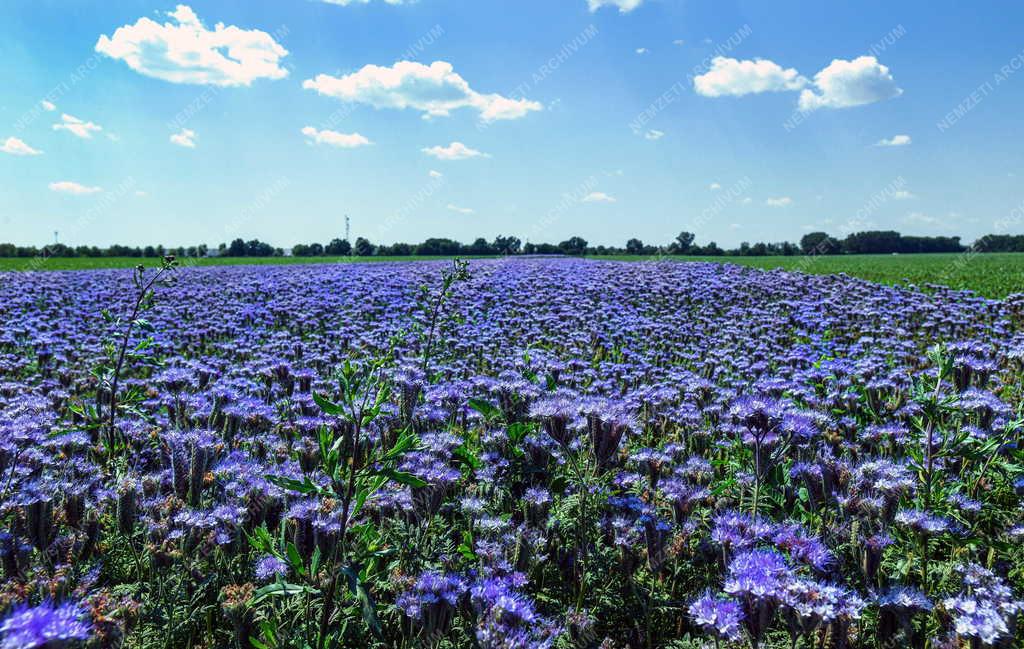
<point x="141" y="194"/>
<point x="598" y="197"/>
<point x="48" y="105"/>
<point x="334" y="138"/>
<point x="77" y="127"/>
<point x="679" y="42"/>
<point x="642" y="50"/>
<point x="69" y="187"/>
<point x="782" y="201"/>
<point x="714" y="187"/>
<point x="654" y="134"/>
<point x="625" y="6"/>
<point x="895" y="140"/>
<point x="460" y="210"/>
<point x="186" y="138"/>
<point x="920" y="218"/>
<point x="435" y="90"/>
<point x="14" y="146"/>
<point x="747" y="201"/>
<point x="435" y="174"/>
<point x="843" y="84"/>
<point x="454" y="151"/>
<point x="183" y="50"/>
<point x="903" y="195"/>
<point x="736" y="78"/>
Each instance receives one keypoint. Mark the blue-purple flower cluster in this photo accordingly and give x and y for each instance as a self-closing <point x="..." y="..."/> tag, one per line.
<point x="603" y="454"/>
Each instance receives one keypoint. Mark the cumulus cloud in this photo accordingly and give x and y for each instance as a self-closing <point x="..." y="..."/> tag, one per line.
<point x="598" y="197"/>
<point x="654" y="134"/>
<point x="625" y="6"/>
<point x="843" y="84"/>
<point x="48" y="105"/>
<point x="183" y="50"/>
<point x="14" y="146"/>
<point x="435" y="174"/>
<point x="895" y="140"/>
<point x="435" y="90"/>
<point x="69" y="187"/>
<point x="714" y="187"/>
<point x="454" y="151"/>
<point x="77" y="127"/>
<point x="782" y="201"/>
<point x="903" y="195"/>
<point x="460" y="210"/>
<point x="334" y="138"/>
<point x="642" y="50"/>
<point x="186" y="138"/>
<point x="736" y="78"/>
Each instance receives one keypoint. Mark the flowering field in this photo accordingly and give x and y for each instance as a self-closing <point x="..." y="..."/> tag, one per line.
<point x="526" y="453"/>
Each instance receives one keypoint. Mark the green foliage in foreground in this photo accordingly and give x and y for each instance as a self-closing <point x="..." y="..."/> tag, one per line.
<point x="992" y="275"/>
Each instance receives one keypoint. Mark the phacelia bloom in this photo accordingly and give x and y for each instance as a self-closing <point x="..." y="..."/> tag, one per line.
<point x="432" y="600"/>
<point x="717" y="616"/>
<point x="923" y="522"/>
<point x="269" y="567"/>
<point x="758" y="579"/>
<point x="46" y="625"/>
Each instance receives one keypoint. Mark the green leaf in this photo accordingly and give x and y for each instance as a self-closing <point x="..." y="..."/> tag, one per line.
<point x="405" y="442"/>
<point x="367" y="605"/>
<point x="293" y="558"/>
<point x="401" y="477"/>
<point x="487" y="410"/>
<point x="518" y="431"/>
<point x="464" y="456"/>
<point x="328" y="406"/>
<point x="281" y="589"/>
<point x="303" y="487"/>
<point x="314" y="562"/>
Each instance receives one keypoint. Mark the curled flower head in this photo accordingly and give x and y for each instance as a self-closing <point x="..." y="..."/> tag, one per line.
<point x="46" y="625"/>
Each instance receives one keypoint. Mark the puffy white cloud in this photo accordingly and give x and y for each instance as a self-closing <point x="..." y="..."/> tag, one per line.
<point x="654" y="134"/>
<point x="186" y="138"/>
<point x="903" y="195"/>
<point x="77" y="127"/>
<point x="183" y="50"/>
<point x="460" y="210"/>
<point x="435" y="90"/>
<point x="625" y="6"/>
<point x="736" y="78"/>
<point x="14" y="146"/>
<point x="843" y="84"/>
<point x="435" y="174"/>
<point x="714" y="187"/>
<point x="454" y="151"/>
<point x="69" y="187"/>
<point x="48" y="105"/>
<point x="598" y="197"/>
<point x="782" y="201"/>
<point x="334" y="138"/>
<point x="642" y="50"/>
<point x="895" y="140"/>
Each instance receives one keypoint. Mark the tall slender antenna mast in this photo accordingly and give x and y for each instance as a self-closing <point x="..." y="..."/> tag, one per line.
<point x="347" y="228"/>
<point x="55" y="239"/>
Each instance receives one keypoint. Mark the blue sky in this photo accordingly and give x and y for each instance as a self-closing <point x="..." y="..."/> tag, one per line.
<point x="142" y="122"/>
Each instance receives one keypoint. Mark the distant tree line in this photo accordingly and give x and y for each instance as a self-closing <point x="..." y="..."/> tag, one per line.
<point x="813" y="243"/>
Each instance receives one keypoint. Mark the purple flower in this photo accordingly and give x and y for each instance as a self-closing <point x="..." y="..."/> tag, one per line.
<point x="45" y="625"/>
<point x="269" y="567"/>
<point x="721" y="617"/>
